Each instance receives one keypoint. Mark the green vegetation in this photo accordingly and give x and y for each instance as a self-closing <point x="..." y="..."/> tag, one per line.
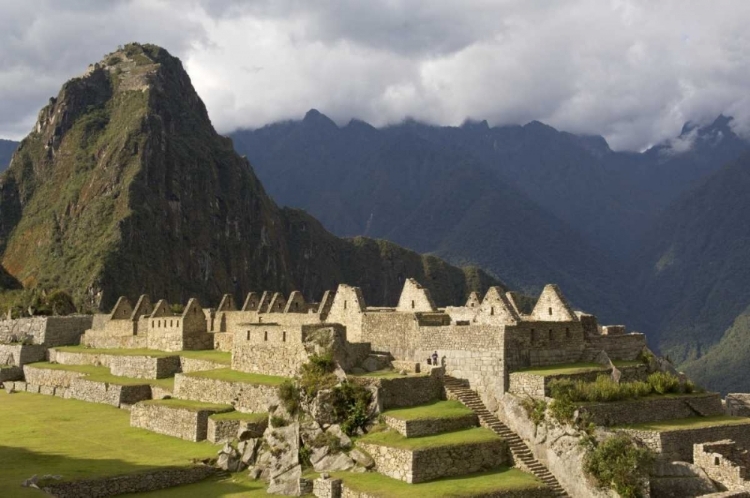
<point x="154" y="353"/>
<point x="618" y="463"/>
<point x="535" y="409"/>
<point x="245" y="417"/>
<point x="229" y="375"/>
<point x="223" y="357"/>
<point x="502" y="479"/>
<point x="186" y="404"/>
<point x="690" y="423"/>
<point x="40" y="300"/>
<point x="317" y="374"/>
<point x="564" y="369"/>
<point x="465" y="436"/>
<point x="290" y="396"/>
<point x="436" y="410"/>
<point x="102" y="374"/>
<point x="277" y="421"/>
<point x="78" y="440"/>
<point x="350" y="403"/>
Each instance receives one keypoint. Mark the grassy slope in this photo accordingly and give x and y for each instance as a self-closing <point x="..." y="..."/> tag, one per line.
<point x="102" y="374"/>
<point x="49" y="435"/>
<point x="439" y="409"/>
<point x="692" y="423"/>
<point x="395" y="440"/>
<point x="236" y="486"/>
<point x="230" y="375"/>
<point x="505" y="479"/>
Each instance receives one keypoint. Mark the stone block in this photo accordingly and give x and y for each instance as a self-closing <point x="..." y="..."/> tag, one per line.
<point x="248" y="398"/>
<point x="172" y="419"/>
<point x="226" y="429"/>
<point x="430" y="426"/>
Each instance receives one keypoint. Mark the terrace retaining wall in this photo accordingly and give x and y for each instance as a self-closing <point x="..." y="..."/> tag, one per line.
<point x="184" y="423"/>
<point x="427" y="427"/>
<point x="402" y="392"/>
<point x="251" y="398"/>
<point x="224" y="430"/>
<point x="140" y="482"/>
<point x="19" y="355"/>
<point x="654" y="409"/>
<point x="414" y="466"/>
<point x="678" y="444"/>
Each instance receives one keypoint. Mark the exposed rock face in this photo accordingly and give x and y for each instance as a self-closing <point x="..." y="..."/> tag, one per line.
<point x="124" y="187"/>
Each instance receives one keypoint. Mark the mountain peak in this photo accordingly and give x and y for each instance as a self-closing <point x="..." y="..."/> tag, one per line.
<point x="317" y="118"/>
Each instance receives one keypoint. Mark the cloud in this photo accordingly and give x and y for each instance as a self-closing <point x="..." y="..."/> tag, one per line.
<point x="633" y="71"/>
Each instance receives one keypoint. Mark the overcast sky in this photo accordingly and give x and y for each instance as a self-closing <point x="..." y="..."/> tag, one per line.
<point x="633" y="71"/>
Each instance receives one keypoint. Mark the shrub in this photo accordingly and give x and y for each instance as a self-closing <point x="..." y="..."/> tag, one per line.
<point x="664" y="382"/>
<point x="304" y="456"/>
<point x="562" y="409"/>
<point x="326" y="439"/>
<point x="289" y="396"/>
<point x="350" y="404"/>
<point x="535" y="409"/>
<point x="277" y="421"/>
<point x="317" y="374"/>
<point x="619" y="464"/>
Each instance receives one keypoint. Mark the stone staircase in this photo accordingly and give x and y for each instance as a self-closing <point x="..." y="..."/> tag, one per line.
<point x="520" y="451"/>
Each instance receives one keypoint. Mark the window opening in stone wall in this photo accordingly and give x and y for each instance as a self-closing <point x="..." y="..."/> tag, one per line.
<point x="492" y="310"/>
<point x="716" y="460"/>
<point x="550" y="311"/>
<point x="549" y="337"/>
<point x="283" y="336"/>
<point x="567" y="332"/>
<point x="296" y="306"/>
<point x="171" y="324"/>
<point x="412" y="304"/>
<point x="265" y="335"/>
<point x="260" y="319"/>
<point x="178" y="323"/>
<point x="344" y="304"/>
<point x="248" y="335"/>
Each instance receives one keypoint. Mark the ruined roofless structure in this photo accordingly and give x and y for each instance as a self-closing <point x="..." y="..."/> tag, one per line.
<point x="482" y="341"/>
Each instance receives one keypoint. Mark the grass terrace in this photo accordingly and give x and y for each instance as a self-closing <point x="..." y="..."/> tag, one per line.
<point x="484" y="483"/>
<point x="565" y="369"/>
<point x="393" y="439"/>
<point x="387" y="374"/>
<point x="238" y="485"/>
<point x="102" y="374"/>
<point x="253" y="418"/>
<point x="213" y="355"/>
<point x="79" y="440"/>
<point x="229" y="375"/>
<point x="184" y="404"/>
<point x="690" y="423"/>
<point x="436" y="410"/>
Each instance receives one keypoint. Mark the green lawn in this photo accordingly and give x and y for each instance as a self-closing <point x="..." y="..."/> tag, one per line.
<point x="230" y="375"/>
<point x="565" y="369"/>
<point x="393" y="439"/>
<point x="690" y="423"/>
<point x="438" y="409"/>
<point x="102" y="374"/>
<point x="222" y="357"/>
<point x="503" y="479"/>
<point x="78" y="440"/>
<point x="245" y="417"/>
<point x="627" y="363"/>
<point x="154" y="353"/>
<point x="189" y="404"/>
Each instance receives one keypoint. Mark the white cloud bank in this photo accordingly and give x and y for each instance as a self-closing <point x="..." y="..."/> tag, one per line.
<point x="633" y="71"/>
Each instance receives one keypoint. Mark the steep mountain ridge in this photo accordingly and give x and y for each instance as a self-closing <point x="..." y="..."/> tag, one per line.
<point x="7" y="147"/>
<point x="124" y="187"/>
<point x="431" y="197"/>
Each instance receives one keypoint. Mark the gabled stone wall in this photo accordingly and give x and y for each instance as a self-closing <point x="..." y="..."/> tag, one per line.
<point x="725" y="463"/>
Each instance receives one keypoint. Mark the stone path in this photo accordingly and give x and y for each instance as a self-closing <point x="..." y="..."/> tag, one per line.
<point x="518" y="447"/>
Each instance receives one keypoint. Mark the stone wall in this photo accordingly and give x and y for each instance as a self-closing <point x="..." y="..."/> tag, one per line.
<point x="406" y="391"/>
<point x="678" y="444"/>
<point x="427" y="427"/>
<point x="724" y="463"/>
<point x="223" y="341"/>
<point x="654" y="409"/>
<point x="184" y="423"/>
<point x="188" y="365"/>
<point x="738" y="404"/>
<point x="626" y="347"/>
<point x="140" y="482"/>
<point x="250" y="398"/>
<point x="414" y="466"/>
<point x="10" y="373"/>
<point x="108" y="394"/>
<point x="70" y="358"/>
<point x="226" y="429"/>
<point x="49" y="377"/>
<point x="144" y="367"/>
<point x="269" y="349"/>
<point x="95" y="339"/>
<point x="49" y="331"/>
<point x="20" y="354"/>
